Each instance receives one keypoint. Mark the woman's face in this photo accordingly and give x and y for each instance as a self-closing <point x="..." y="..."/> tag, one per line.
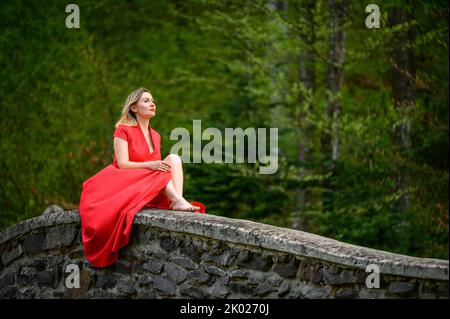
<point x="145" y="106"/>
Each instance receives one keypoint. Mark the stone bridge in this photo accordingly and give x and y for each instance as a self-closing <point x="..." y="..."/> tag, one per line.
<point x="186" y="255"/>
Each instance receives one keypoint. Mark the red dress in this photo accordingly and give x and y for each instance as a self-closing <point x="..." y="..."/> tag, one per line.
<point x="111" y="198"/>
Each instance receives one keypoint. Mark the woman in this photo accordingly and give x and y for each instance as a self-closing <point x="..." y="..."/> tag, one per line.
<point x="137" y="178"/>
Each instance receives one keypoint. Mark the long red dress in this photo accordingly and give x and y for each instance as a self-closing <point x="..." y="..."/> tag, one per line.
<point x="111" y="198"/>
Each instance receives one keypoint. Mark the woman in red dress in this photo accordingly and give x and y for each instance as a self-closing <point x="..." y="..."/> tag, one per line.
<point x="137" y="178"/>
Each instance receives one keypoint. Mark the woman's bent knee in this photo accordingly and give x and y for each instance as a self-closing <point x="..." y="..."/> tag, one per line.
<point x="174" y="158"/>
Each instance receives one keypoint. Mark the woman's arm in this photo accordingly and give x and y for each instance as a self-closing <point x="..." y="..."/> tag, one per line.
<point x="121" y="150"/>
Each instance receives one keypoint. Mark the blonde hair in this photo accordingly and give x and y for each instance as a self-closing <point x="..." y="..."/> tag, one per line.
<point x="127" y="117"/>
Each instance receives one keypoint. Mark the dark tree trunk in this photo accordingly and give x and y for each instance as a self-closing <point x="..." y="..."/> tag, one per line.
<point x="336" y="53"/>
<point x="402" y="77"/>
<point x="307" y="78"/>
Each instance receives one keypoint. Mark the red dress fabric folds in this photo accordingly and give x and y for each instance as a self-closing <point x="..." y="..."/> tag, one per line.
<point x="111" y="198"/>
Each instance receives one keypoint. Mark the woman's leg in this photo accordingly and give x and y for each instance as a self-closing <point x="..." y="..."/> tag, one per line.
<point x="178" y="202"/>
<point x="177" y="171"/>
<point x="171" y="192"/>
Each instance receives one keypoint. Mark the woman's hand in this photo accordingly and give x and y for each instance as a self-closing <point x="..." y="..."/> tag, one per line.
<point x="159" y="166"/>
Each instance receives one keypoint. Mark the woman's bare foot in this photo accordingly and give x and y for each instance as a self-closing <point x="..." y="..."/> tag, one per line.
<point x="183" y="205"/>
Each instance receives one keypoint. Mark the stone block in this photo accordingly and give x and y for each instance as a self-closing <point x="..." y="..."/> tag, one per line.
<point x="60" y="236"/>
<point x="185" y="262"/>
<point x="238" y="273"/>
<point x="401" y="287"/>
<point x="11" y="255"/>
<point x="8" y="292"/>
<point x="123" y="267"/>
<point x="265" y="288"/>
<point x="7" y="277"/>
<point x="168" y="244"/>
<point x="287" y="269"/>
<point x="218" y="290"/>
<point x="318" y="293"/>
<point x="106" y="280"/>
<point x="153" y="265"/>
<point x="346" y="293"/>
<point x="332" y="276"/>
<point x="213" y="270"/>
<point x="175" y="273"/>
<point x="199" y="276"/>
<point x="241" y="288"/>
<point x="191" y="251"/>
<point x="46" y="278"/>
<point x="164" y="285"/>
<point x="190" y="291"/>
<point x="34" y="243"/>
<point x="258" y="262"/>
<point x="146" y="293"/>
<point x="126" y="286"/>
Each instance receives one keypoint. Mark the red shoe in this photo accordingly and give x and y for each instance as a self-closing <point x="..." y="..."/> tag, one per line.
<point x="202" y="209"/>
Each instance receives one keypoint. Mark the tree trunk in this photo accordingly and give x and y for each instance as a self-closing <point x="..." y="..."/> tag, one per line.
<point x="402" y="77"/>
<point x="330" y="140"/>
<point x="307" y="79"/>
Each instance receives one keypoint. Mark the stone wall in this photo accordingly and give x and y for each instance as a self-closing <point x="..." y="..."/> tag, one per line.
<point x="185" y="255"/>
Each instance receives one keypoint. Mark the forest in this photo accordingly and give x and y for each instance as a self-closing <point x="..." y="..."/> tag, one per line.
<point x="358" y="92"/>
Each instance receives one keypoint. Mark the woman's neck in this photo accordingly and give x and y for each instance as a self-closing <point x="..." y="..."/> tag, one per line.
<point x="143" y="123"/>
